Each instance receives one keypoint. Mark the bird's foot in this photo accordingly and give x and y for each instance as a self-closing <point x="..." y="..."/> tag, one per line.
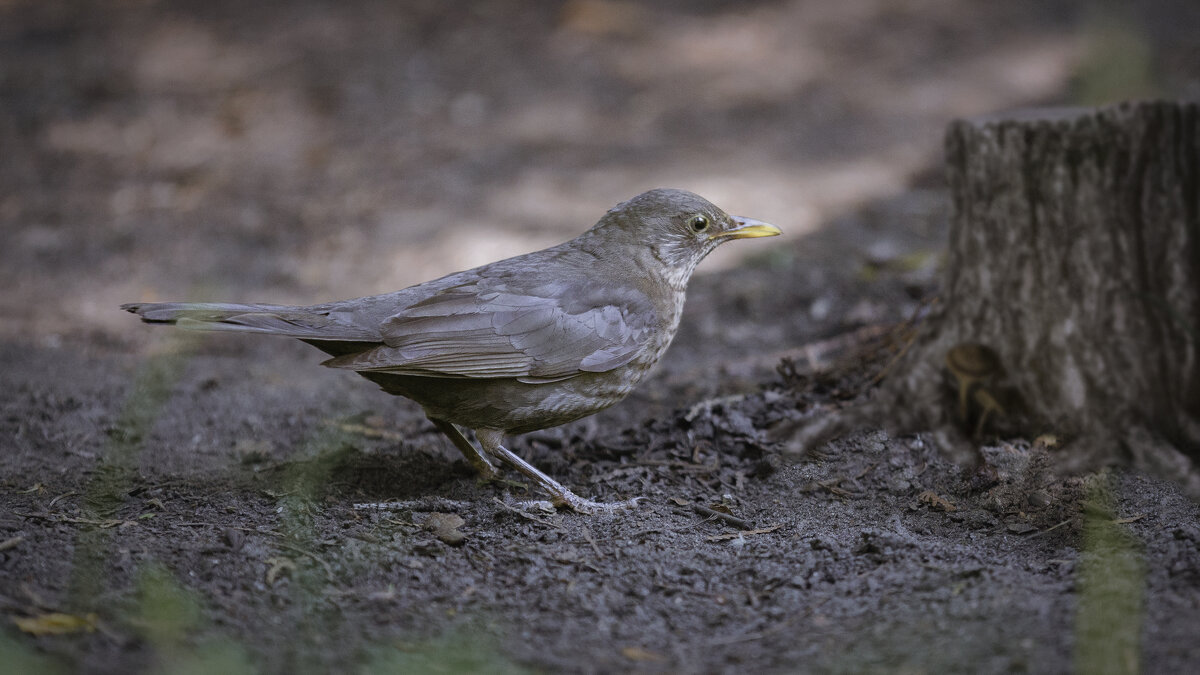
<point x="589" y="507"/>
<point x="560" y="496"/>
<point x="580" y="505"/>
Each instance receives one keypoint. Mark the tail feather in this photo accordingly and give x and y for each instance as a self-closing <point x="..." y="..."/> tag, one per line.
<point x="306" y="323"/>
<point x="170" y="312"/>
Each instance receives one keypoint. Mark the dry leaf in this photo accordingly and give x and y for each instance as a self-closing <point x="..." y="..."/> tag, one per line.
<point x="937" y="501"/>
<point x="744" y="533"/>
<point x="445" y="527"/>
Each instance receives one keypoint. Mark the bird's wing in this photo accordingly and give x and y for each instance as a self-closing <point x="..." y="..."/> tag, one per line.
<point x="487" y="329"/>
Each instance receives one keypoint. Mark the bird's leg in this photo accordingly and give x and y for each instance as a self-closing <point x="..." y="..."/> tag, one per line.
<point x="559" y="495"/>
<point x="474" y="457"/>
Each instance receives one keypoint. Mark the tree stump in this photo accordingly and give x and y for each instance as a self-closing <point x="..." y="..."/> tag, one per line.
<point x="1071" y="301"/>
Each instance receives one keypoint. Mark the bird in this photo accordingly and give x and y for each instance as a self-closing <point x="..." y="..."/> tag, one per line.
<point x="517" y="345"/>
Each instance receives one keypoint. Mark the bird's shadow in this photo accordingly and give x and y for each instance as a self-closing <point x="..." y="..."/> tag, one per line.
<point x="395" y="473"/>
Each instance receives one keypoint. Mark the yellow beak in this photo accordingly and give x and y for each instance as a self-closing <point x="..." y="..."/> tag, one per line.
<point x="747" y="228"/>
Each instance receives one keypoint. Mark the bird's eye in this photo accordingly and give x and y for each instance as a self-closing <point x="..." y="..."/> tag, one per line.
<point x="698" y="224"/>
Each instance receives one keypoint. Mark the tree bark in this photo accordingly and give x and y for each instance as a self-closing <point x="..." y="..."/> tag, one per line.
<point x="1071" y="301"/>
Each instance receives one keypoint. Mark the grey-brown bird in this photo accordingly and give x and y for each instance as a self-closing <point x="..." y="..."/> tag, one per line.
<point x="521" y="344"/>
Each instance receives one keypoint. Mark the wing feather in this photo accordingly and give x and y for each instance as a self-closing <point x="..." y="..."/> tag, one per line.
<point x="485" y="329"/>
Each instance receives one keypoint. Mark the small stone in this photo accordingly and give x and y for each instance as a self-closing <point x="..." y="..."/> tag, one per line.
<point x="445" y="527"/>
<point x="1039" y="499"/>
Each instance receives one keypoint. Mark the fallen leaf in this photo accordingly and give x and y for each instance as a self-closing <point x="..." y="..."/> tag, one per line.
<point x="680" y="502"/>
<point x="937" y="501"/>
<point x="56" y="623"/>
<point x="745" y="533"/>
<point x="445" y="527"/>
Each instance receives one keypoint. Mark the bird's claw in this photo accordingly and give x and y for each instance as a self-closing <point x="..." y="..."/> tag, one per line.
<point x="578" y="504"/>
<point x="588" y="507"/>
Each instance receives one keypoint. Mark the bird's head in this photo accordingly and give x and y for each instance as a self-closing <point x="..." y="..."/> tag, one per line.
<point x="679" y="228"/>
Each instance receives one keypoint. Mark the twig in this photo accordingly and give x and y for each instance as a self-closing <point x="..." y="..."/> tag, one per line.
<point x="12" y="542"/>
<point x="587" y="534"/>
<point x="60" y="497"/>
<point x="310" y="554"/>
<point x="728" y="518"/>
<point x="866" y="470"/>
<point x="63" y="518"/>
<point x="832" y="486"/>
<point x="1051" y="529"/>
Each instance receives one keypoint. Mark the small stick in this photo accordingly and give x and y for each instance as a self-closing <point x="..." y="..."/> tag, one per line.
<point x="587" y="534"/>
<point x="12" y="543"/>
<point x="1050" y="529"/>
<point x="729" y="519"/>
<point x="310" y="554"/>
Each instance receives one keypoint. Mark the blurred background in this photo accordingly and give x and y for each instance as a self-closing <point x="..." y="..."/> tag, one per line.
<point x="306" y="151"/>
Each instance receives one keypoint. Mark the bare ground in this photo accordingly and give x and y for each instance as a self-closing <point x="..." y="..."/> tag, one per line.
<point x="224" y="504"/>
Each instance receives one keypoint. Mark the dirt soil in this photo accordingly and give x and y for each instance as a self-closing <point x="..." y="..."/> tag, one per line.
<point x="177" y="503"/>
